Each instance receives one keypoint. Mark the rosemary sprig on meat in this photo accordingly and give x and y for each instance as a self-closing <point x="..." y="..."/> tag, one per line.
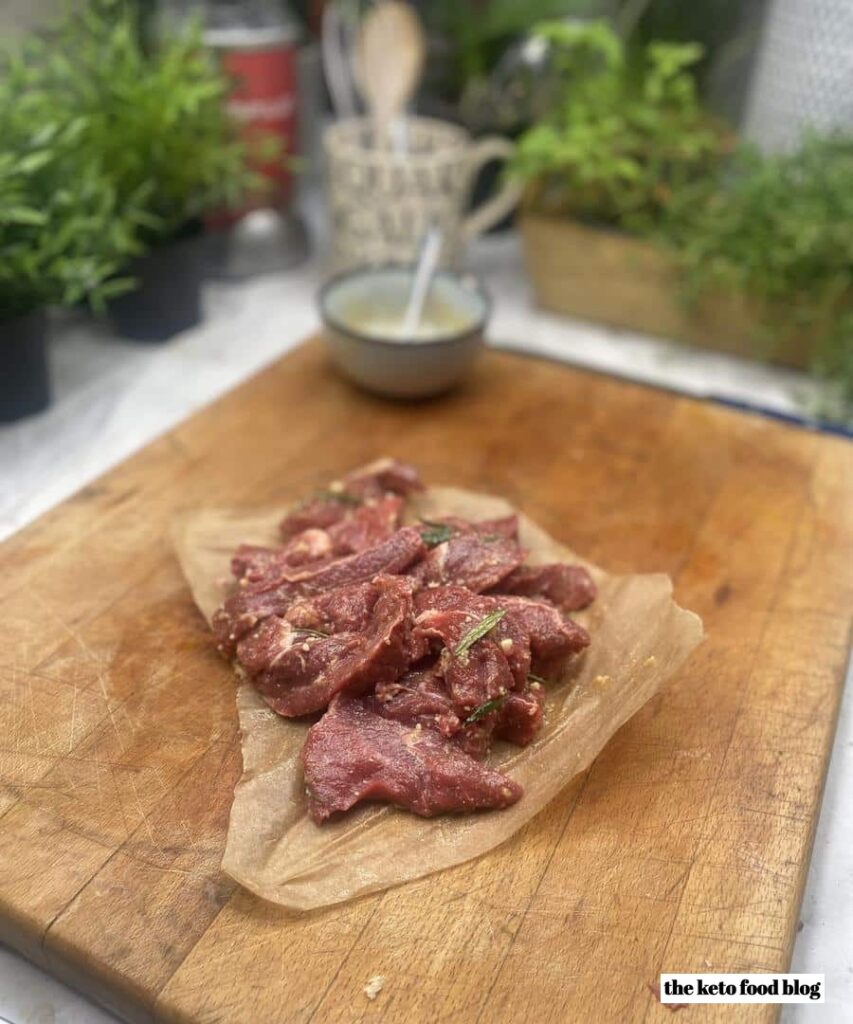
<point x="306" y="631"/>
<point x="435" y="533"/>
<point x="533" y="678"/>
<point x="484" y="709"/>
<point x="484" y="626"/>
<point x="341" y="497"/>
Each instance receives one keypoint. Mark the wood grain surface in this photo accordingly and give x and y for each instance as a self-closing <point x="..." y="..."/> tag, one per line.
<point x="685" y="847"/>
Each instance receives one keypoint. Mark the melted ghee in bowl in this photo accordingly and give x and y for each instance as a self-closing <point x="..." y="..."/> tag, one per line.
<point x="372" y="304"/>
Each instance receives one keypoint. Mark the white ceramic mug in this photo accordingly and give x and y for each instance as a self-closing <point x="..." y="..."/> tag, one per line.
<point x="383" y="199"/>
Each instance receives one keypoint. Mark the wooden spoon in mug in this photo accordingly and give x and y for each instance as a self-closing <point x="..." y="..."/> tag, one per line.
<point x="390" y="61"/>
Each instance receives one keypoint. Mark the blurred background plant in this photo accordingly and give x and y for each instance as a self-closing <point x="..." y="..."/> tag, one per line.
<point x="619" y="107"/>
<point x="66" y="231"/>
<point x="628" y="145"/>
<point x="483" y="70"/>
<point x="727" y="31"/>
<point x="155" y="119"/>
<point x="778" y="229"/>
<point x="622" y="138"/>
<point x="487" y="72"/>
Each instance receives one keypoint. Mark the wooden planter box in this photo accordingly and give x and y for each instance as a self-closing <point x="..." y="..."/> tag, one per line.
<point x="611" y="278"/>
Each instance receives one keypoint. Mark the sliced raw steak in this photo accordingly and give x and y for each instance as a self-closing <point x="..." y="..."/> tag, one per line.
<point x="298" y="672"/>
<point x="468" y="560"/>
<point x="311" y="547"/>
<point x="489" y="529"/>
<point x="421" y="698"/>
<point x="252" y="603"/>
<point x="423" y="644"/>
<point x="385" y="476"/>
<point x="553" y="637"/>
<point x="344" y="497"/>
<point x="569" y="587"/>
<point x="520" y="715"/>
<point x="509" y="633"/>
<point x="354" y="754"/>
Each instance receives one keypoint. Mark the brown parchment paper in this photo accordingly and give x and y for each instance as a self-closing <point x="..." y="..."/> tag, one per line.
<point x="640" y="637"/>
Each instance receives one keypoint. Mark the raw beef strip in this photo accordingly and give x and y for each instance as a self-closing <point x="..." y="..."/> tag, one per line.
<point x="385" y="476"/>
<point x="298" y="672"/>
<point x="477" y="677"/>
<point x="532" y="634"/>
<point x="250" y="604"/>
<point x="343" y="497"/>
<point x="319" y="513"/>
<point x="520" y="715"/>
<point x="569" y="587"/>
<point x="553" y="637"/>
<point x="421" y="698"/>
<point x="354" y="754"/>
<point x="306" y="552"/>
<point x="282" y="654"/>
<point x="510" y="633"/>
<point x="369" y="525"/>
<point x="490" y="529"/>
<point x="474" y="676"/>
<point x="469" y="561"/>
<point x="310" y="547"/>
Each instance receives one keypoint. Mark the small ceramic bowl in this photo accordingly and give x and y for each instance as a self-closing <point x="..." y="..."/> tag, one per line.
<point x="362" y="311"/>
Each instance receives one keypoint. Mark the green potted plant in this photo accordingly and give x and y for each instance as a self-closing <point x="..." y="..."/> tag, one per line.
<point x="643" y="212"/>
<point x="602" y="169"/>
<point x="777" y="232"/>
<point x="157" y="120"/>
<point x="477" y="74"/>
<point x="482" y="72"/>
<point x="63" y="233"/>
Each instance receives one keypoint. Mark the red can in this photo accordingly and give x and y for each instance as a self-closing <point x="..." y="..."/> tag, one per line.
<point x="262" y="63"/>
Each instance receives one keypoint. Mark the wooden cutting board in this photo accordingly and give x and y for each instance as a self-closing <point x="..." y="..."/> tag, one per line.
<point x="685" y="847"/>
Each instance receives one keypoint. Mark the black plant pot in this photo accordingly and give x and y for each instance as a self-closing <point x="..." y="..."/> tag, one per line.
<point x="167" y="298"/>
<point x="24" y="379"/>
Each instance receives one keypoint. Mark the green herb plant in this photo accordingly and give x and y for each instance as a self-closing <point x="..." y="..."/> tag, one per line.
<point x="479" y="32"/>
<point x="619" y="141"/>
<point x="65" y="232"/>
<point x="778" y="229"/>
<point x="157" y="120"/>
<point x="471" y="68"/>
